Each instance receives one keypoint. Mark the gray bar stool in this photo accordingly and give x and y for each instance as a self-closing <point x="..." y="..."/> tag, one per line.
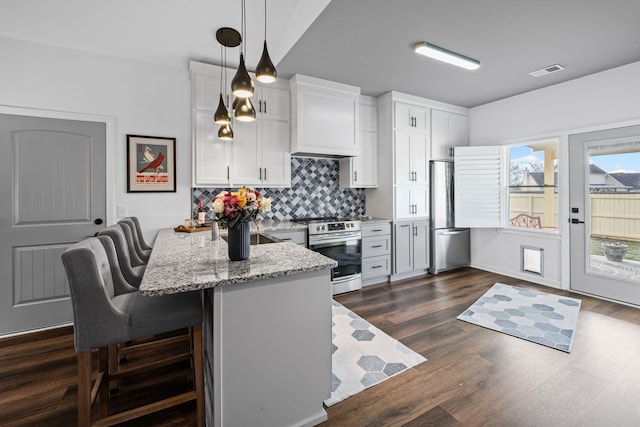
<point x="136" y="234"/>
<point x="136" y="257"/>
<point x="132" y="274"/>
<point x="106" y="314"/>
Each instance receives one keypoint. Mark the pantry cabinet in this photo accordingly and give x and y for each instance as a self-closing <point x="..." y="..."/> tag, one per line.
<point x="405" y="130"/>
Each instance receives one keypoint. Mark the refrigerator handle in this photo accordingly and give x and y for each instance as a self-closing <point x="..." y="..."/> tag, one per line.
<point x="451" y="201"/>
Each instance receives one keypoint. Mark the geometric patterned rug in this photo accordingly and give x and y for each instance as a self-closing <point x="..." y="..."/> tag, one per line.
<point x="536" y="316"/>
<point x="363" y="355"/>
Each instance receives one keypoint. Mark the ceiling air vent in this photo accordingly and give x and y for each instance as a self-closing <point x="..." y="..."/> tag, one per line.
<point x="547" y="70"/>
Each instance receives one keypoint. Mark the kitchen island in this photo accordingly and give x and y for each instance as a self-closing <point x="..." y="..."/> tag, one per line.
<point x="267" y="328"/>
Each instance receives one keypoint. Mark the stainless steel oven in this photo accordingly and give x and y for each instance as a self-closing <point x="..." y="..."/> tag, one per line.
<point x="340" y="240"/>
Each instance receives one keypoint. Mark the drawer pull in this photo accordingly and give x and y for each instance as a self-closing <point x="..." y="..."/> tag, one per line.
<point x="376" y="266"/>
<point x="377" y="230"/>
<point x="376" y="246"/>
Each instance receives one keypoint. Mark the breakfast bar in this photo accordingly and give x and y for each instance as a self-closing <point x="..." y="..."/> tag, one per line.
<point x="267" y="327"/>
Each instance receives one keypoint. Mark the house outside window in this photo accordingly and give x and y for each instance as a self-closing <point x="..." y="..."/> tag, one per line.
<point x="533" y="186"/>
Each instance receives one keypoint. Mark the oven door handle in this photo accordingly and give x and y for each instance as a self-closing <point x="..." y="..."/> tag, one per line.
<point x="346" y="278"/>
<point x="336" y="237"/>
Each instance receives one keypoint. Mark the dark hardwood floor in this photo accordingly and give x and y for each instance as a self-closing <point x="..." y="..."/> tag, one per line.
<point x="473" y="376"/>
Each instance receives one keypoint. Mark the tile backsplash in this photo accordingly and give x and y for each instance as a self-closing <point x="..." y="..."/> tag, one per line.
<point x="314" y="192"/>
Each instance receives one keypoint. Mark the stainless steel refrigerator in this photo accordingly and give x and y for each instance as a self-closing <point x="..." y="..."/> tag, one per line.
<point x="449" y="245"/>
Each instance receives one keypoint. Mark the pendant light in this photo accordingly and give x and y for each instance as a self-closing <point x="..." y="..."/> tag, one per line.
<point x="225" y="132"/>
<point x="227" y="37"/>
<point x="265" y="71"/>
<point x="242" y="85"/>
<point x="222" y="116"/>
<point x="244" y="111"/>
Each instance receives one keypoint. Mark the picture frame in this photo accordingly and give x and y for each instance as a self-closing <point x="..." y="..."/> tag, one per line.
<point x="151" y="164"/>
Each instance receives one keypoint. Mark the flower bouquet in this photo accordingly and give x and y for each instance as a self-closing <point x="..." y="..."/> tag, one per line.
<point x="234" y="210"/>
<point x="233" y="207"/>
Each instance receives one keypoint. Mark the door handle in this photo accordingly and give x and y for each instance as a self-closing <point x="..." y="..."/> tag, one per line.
<point x="576" y="221"/>
<point x="98" y="221"/>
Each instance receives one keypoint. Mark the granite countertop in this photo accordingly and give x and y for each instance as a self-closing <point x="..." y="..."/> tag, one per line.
<point x="183" y="262"/>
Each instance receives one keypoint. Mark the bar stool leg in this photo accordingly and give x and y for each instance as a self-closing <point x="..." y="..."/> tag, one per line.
<point x="103" y="386"/>
<point x="84" y="389"/>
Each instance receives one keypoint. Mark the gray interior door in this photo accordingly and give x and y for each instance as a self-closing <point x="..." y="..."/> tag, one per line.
<point x="53" y="190"/>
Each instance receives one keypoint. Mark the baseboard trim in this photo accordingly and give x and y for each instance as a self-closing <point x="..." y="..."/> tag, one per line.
<point x="519" y="275"/>
<point x="34" y="331"/>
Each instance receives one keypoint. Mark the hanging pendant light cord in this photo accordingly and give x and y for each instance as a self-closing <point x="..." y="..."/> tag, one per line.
<point x="224" y="70"/>
<point x="265" y="20"/>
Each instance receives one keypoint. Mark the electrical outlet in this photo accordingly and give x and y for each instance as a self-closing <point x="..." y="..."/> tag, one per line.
<point x="122" y="211"/>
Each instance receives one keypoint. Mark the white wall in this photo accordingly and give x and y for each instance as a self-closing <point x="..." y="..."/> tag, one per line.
<point x="606" y="99"/>
<point x="143" y="100"/>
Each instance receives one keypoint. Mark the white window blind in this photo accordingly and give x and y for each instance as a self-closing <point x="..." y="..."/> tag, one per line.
<point x="478" y="186"/>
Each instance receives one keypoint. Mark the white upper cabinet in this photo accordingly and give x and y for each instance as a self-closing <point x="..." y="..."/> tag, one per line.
<point x="411" y="117"/>
<point x="324" y="117"/>
<point x="261" y="148"/>
<point x="212" y="156"/>
<point x="259" y="153"/>
<point x="411" y="158"/>
<point x="361" y="171"/>
<point x="448" y="130"/>
<point x="272" y="102"/>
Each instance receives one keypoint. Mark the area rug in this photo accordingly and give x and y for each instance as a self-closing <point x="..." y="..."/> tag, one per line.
<point x="363" y="355"/>
<point x="536" y="316"/>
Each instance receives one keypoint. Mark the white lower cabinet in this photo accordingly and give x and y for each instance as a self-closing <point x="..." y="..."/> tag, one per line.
<point x="410" y="246"/>
<point x="376" y="252"/>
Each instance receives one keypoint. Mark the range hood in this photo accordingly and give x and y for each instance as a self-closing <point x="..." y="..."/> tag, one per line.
<point x="324" y="118"/>
<point x="320" y="155"/>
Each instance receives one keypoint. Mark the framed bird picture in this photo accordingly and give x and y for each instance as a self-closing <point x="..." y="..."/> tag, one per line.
<point x="151" y="164"/>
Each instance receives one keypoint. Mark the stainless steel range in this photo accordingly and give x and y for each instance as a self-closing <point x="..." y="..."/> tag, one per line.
<point x="341" y="240"/>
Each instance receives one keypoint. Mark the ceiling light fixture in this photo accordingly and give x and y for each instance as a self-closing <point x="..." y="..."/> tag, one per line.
<point x="242" y="85"/>
<point x="244" y="111"/>
<point x="227" y="37"/>
<point x="222" y="116"/>
<point x="225" y="132"/>
<point x="265" y="70"/>
<point x="445" y="55"/>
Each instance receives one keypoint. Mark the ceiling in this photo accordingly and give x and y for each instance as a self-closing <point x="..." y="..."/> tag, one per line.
<point x="367" y="43"/>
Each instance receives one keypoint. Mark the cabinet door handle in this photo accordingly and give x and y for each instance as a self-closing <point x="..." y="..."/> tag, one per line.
<point x="260" y="106"/>
<point x="227" y="173"/>
<point x="377" y="230"/>
<point x="376" y="266"/>
<point x="376" y="246"/>
<point x="415" y="231"/>
<point x="355" y="176"/>
<point x="260" y="169"/>
<point x="451" y="152"/>
<point x="265" y="107"/>
<point x="265" y="174"/>
<point x="405" y="225"/>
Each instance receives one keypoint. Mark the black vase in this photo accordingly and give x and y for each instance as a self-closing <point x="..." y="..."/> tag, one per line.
<point x="238" y="241"/>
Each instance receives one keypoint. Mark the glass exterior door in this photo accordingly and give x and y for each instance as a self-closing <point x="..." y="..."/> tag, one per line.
<point x="604" y="194"/>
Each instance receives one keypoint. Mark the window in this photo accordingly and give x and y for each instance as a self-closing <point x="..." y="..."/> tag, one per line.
<point x="533" y="185"/>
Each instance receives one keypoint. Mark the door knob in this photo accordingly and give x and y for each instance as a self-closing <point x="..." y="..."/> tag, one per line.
<point x="98" y="221"/>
